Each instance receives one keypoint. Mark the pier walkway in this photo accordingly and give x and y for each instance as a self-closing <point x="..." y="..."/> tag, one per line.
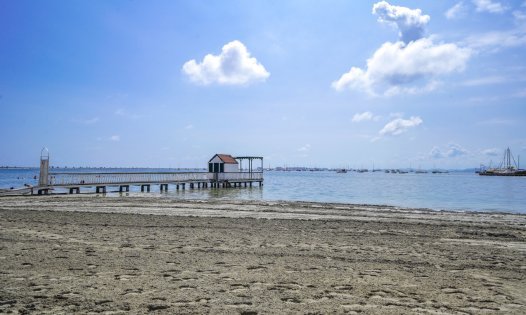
<point x="74" y="181"/>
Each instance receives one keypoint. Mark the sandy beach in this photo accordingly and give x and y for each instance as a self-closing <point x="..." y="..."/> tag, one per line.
<point x="88" y="254"/>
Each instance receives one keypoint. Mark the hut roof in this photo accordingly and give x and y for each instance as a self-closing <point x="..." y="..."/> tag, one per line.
<point x="226" y="158"/>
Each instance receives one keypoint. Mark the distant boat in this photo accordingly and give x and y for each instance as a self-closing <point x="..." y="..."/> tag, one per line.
<point x="341" y="171"/>
<point x="508" y="167"/>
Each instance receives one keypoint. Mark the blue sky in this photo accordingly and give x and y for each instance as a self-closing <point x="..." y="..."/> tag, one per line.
<point x="315" y="83"/>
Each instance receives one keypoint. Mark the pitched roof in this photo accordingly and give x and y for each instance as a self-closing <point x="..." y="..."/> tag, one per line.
<point x="226" y="158"/>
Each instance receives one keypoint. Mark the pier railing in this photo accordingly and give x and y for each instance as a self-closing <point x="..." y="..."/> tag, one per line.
<point x="69" y="179"/>
<point x="240" y="176"/>
<point x="86" y="179"/>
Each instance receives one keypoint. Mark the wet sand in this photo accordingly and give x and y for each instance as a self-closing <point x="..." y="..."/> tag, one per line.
<point x="86" y="254"/>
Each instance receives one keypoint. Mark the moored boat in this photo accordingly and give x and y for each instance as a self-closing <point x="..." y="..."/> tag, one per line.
<point x="508" y="167"/>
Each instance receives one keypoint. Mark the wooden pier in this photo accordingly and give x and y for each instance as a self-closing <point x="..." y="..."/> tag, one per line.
<point x="192" y="180"/>
<point x="215" y="178"/>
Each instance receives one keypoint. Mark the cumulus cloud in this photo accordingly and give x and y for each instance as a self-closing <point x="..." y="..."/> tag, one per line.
<point x="365" y="116"/>
<point x="305" y="148"/>
<point x="408" y="66"/>
<point x="456" y="11"/>
<point x="491" y="152"/>
<point x="490" y="80"/>
<point x="395" y="65"/>
<point x="126" y="114"/>
<point x="233" y="66"/>
<point x="496" y="40"/>
<point x="399" y="126"/>
<point x="489" y="6"/>
<point x="453" y="150"/>
<point x="519" y="16"/>
<point x="410" y="23"/>
<point x="115" y="138"/>
<point x="436" y="153"/>
<point x="89" y="121"/>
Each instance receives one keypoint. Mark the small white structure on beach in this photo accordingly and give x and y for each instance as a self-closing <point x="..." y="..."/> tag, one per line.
<point x="223" y="163"/>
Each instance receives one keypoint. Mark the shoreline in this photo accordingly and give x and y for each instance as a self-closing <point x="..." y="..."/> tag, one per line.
<point x="236" y="208"/>
<point x="370" y="206"/>
<point x="139" y="255"/>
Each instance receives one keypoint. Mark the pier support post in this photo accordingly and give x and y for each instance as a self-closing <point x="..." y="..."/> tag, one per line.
<point x="250" y="184"/>
<point x="163" y="187"/>
<point x="99" y="189"/>
<point x="183" y="185"/>
<point x="75" y="190"/>
<point x="245" y="184"/>
<point x="177" y="187"/>
<point x="145" y="187"/>
<point x="125" y="188"/>
<point x="191" y="185"/>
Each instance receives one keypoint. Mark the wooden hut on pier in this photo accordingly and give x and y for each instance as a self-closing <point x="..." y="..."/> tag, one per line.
<point x="223" y="163"/>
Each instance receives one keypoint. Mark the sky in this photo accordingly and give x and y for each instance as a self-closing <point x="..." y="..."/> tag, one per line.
<point x="422" y="84"/>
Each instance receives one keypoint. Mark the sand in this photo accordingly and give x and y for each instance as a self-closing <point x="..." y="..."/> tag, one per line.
<point x="87" y="254"/>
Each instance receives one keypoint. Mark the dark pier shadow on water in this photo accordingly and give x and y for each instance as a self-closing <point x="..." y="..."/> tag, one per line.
<point x="242" y="193"/>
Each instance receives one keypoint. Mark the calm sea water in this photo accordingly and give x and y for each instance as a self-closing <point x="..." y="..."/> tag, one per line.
<point x="451" y="191"/>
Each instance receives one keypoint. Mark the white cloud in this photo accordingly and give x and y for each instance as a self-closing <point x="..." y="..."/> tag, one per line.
<point x="410" y="23"/>
<point x="489" y="6"/>
<point x="396" y="115"/>
<point x="456" y="11"/>
<point x="491" y="152"/>
<point x="436" y="153"/>
<point x="453" y="150"/>
<point x="519" y="16"/>
<point x="115" y="138"/>
<point x="124" y="113"/>
<point x="399" y="126"/>
<point x="305" y="148"/>
<point x="409" y="66"/>
<point x="456" y="150"/>
<point x="234" y="66"/>
<point x="365" y="116"/>
<point x="89" y="121"/>
<point x="189" y="126"/>
<point x="497" y="39"/>
<point x="395" y="65"/>
<point x="485" y="81"/>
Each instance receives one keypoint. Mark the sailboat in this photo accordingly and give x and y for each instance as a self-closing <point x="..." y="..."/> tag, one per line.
<point x="508" y="167"/>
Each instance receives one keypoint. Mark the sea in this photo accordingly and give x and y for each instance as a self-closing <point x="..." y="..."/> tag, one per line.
<point x="457" y="191"/>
